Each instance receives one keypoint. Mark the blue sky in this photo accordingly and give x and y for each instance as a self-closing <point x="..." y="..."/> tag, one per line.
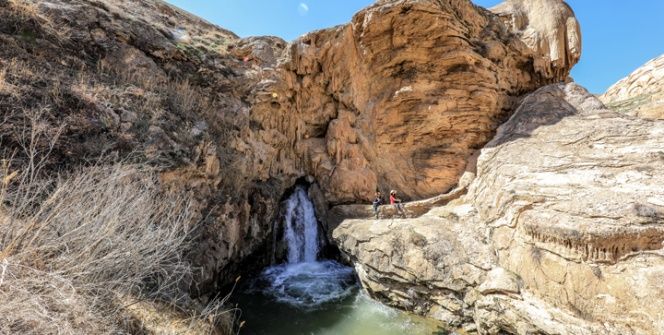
<point x="618" y="35"/>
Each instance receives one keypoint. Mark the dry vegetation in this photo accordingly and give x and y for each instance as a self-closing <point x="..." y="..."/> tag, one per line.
<point x="29" y="10"/>
<point x="90" y="245"/>
<point x="78" y="251"/>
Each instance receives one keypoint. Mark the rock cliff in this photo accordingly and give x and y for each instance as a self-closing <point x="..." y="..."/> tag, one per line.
<point x="548" y="27"/>
<point x="560" y="232"/>
<point x="641" y="93"/>
<point x="400" y="97"/>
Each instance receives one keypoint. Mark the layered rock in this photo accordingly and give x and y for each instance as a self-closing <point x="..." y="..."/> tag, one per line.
<point x="568" y="203"/>
<point x="641" y="93"/>
<point x="403" y="95"/>
<point x="572" y="197"/>
<point x="400" y="97"/>
<point x="548" y="27"/>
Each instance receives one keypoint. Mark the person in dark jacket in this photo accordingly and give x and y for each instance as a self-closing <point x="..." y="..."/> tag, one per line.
<point x="378" y="200"/>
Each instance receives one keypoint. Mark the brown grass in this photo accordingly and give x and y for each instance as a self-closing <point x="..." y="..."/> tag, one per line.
<point x="73" y="246"/>
<point x="25" y="8"/>
<point x="4" y="86"/>
<point x="29" y="10"/>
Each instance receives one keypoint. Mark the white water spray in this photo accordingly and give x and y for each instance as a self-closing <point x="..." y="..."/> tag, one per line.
<point x="301" y="228"/>
<point x="304" y="281"/>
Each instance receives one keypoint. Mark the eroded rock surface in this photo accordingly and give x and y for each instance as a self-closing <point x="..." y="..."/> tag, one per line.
<point x="568" y="202"/>
<point x="431" y="265"/>
<point x="401" y="97"/>
<point x="548" y="27"/>
<point x="641" y="93"/>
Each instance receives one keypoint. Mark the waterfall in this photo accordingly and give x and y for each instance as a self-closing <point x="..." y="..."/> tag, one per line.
<point x="301" y="228"/>
<point x="304" y="281"/>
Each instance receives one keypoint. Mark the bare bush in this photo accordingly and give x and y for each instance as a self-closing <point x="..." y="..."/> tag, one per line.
<point x="108" y="226"/>
<point x="106" y="231"/>
<point x="74" y="245"/>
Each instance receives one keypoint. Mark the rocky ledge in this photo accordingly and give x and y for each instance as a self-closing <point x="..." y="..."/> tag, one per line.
<point x="399" y="97"/>
<point x="560" y="231"/>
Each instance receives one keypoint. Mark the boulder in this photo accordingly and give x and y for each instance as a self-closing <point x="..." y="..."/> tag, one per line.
<point x="430" y="265"/>
<point x="565" y="218"/>
<point x="500" y="280"/>
<point x="549" y="28"/>
<point x="641" y="93"/>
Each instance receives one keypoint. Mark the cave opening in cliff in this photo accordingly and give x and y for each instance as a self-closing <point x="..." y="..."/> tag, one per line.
<point x="308" y="188"/>
<point x="318" y="294"/>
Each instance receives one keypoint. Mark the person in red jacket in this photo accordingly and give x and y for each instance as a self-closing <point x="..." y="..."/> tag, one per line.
<point x="397" y="203"/>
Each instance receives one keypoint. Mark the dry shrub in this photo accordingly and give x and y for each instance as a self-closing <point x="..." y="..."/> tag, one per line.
<point x="121" y="74"/>
<point x="29" y="10"/>
<point x="73" y="245"/>
<point x="177" y="95"/>
<point x="104" y="232"/>
<point x="6" y="87"/>
<point x="183" y="98"/>
<point x="35" y="302"/>
<point x="25" y="8"/>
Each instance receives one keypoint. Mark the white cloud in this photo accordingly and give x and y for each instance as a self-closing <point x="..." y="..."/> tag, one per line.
<point x="303" y="8"/>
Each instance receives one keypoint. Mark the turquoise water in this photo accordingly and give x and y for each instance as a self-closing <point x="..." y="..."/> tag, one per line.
<point x="320" y="298"/>
<point x="311" y="296"/>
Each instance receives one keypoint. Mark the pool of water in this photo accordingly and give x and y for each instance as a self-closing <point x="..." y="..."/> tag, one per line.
<point x="320" y="298"/>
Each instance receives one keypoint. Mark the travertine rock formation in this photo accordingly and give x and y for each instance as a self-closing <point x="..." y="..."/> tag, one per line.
<point x="641" y="93"/>
<point x="401" y="97"/>
<point x="567" y="211"/>
<point x="550" y="28"/>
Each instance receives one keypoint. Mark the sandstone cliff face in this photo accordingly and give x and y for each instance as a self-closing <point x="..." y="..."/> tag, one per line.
<point x="400" y="97"/>
<point x="566" y="213"/>
<point x="641" y="93"/>
<point x="548" y="27"/>
<point x="403" y="95"/>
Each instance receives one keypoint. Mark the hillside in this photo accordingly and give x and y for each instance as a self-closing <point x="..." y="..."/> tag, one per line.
<point x="158" y="141"/>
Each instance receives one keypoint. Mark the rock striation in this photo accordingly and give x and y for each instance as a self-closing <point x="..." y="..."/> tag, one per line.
<point x="641" y="93"/>
<point x="401" y="97"/>
<point x="565" y="222"/>
<point x="550" y="28"/>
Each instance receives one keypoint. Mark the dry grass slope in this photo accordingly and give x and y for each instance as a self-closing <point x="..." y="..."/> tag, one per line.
<point x="79" y="251"/>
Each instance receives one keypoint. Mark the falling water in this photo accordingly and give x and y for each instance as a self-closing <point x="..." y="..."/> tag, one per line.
<point x="304" y="281"/>
<point x="307" y="295"/>
<point x="301" y="231"/>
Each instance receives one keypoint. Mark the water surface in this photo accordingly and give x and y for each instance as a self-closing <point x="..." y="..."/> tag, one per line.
<point x="312" y="296"/>
<point x="320" y="298"/>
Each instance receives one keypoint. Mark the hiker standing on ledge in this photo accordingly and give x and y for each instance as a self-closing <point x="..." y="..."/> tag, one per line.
<point x="397" y="203"/>
<point x="378" y="200"/>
